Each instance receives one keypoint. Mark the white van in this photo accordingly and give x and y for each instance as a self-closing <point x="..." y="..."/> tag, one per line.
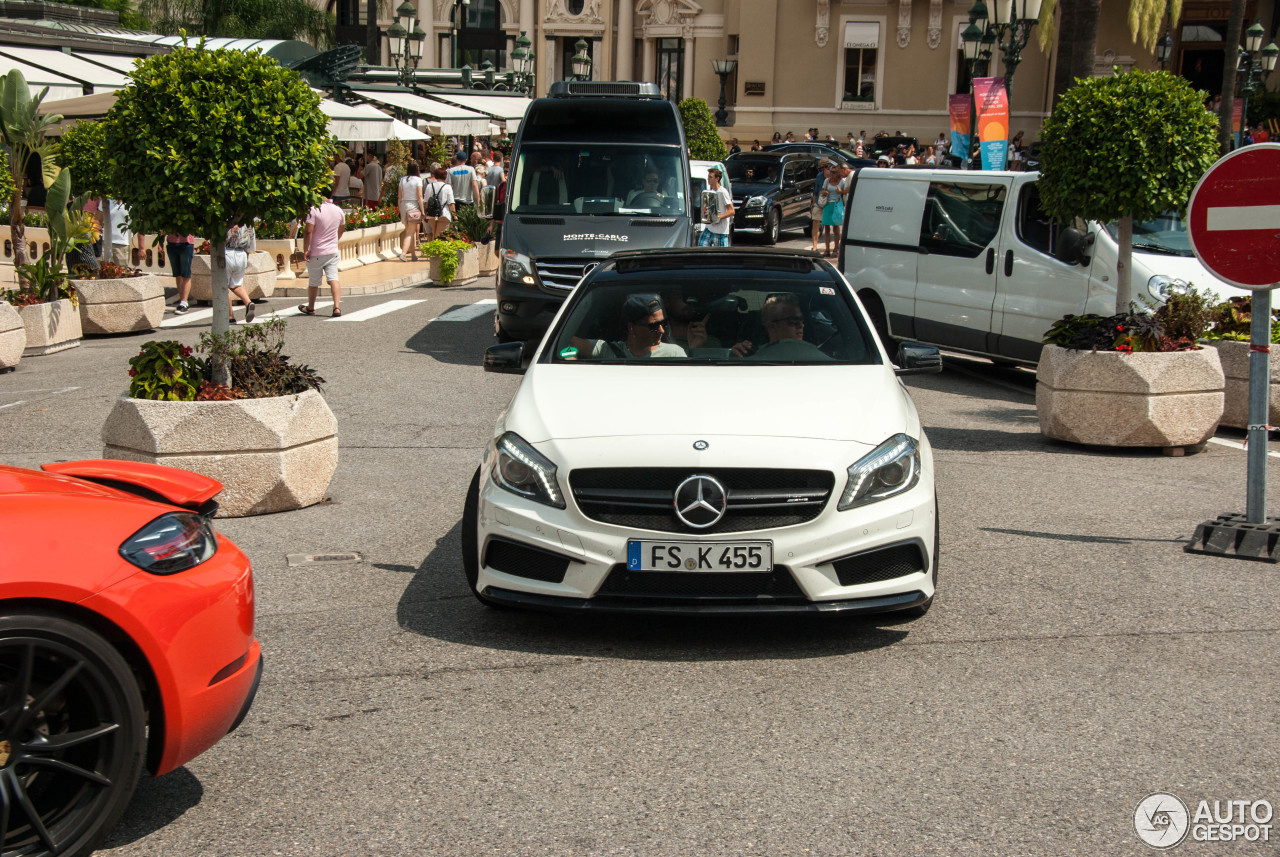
<point x="967" y="260"/>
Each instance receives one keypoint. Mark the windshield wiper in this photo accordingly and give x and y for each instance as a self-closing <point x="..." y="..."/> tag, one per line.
<point x="1159" y="248"/>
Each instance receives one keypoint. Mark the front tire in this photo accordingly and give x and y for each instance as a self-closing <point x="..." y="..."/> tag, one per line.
<point x="72" y="735"/>
<point x="879" y="320"/>
<point x="773" y="227"/>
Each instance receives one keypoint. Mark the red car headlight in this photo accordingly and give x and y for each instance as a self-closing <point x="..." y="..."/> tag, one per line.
<point x="171" y="543"/>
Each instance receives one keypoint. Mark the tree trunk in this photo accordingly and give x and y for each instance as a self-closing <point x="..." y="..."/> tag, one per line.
<point x="1077" y="42"/>
<point x="1235" y="23"/>
<point x="1124" y="265"/>
<point x="221" y="302"/>
<point x="17" y="229"/>
<point x="104" y="208"/>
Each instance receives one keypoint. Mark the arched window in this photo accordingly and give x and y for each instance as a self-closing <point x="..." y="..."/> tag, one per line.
<point x="575" y="6"/>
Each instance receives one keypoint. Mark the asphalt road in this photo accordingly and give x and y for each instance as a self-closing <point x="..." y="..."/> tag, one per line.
<point x="1075" y="661"/>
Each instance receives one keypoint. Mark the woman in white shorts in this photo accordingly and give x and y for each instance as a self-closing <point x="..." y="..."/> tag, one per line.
<point x="241" y="241"/>
<point x="411" y="209"/>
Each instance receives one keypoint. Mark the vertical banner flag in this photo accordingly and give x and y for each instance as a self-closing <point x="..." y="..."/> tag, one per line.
<point x="1237" y="116"/>
<point x="958" y="107"/>
<point x="993" y="121"/>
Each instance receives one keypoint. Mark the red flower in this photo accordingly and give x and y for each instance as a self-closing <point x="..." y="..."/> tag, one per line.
<point x="1120" y="327"/>
<point x="133" y="372"/>
<point x="1125" y="349"/>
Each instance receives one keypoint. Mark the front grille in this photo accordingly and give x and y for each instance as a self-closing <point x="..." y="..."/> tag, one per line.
<point x="880" y="564"/>
<point x="525" y="561"/>
<point x="643" y="498"/>
<point x="542" y="221"/>
<point x="778" y="585"/>
<point x="562" y="273"/>
<point x="651" y="221"/>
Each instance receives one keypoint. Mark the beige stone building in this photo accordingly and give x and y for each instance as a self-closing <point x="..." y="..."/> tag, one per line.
<point x="838" y="65"/>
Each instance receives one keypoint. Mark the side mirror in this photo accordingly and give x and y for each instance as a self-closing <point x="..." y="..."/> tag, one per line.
<point x="507" y="358"/>
<point x="1073" y="246"/>
<point x="488" y="199"/>
<point x="916" y="359"/>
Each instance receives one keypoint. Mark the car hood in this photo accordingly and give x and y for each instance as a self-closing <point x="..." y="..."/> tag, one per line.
<point x="864" y="404"/>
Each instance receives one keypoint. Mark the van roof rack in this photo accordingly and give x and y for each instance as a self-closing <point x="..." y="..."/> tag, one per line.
<point x="615" y="88"/>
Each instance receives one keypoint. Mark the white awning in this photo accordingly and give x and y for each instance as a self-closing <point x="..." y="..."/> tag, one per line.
<point x="861" y="34"/>
<point x="74" y="68"/>
<point x="452" y="119"/>
<point x="352" y="123"/>
<point x="507" y="109"/>
<point x="404" y="131"/>
<point x="38" y="78"/>
<point x="119" y="62"/>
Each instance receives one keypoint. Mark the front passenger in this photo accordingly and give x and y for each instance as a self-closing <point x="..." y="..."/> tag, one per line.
<point x="646" y="323"/>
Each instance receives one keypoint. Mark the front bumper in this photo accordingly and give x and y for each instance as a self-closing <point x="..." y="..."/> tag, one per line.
<point x="532" y="555"/>
<point x="525" y="312"/>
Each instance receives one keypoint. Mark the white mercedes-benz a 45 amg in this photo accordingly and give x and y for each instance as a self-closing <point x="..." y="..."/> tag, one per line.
<point x="707" y="431"/>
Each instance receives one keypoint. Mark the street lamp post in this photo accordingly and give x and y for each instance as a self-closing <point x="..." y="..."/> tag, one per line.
<point x="522" y="58"/>
<point x="1262" y="66"/>
<point x="581" y="61"/>
<point x="405" y="38"/>
<point x="1164" y="48"/>
<point x="723" y="68"/>
<point x="1012" y="26"/>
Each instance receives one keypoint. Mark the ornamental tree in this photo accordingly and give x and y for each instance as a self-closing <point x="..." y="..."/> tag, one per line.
<point x="1124" y="147"/>
<point x="700" y="131"/>
<point x="202" y="140"/>
<point x="83" y="150"/>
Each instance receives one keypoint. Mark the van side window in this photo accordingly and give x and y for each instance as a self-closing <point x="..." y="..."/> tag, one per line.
<point x="961" y="219"/>
<point x="1035" y="228"/>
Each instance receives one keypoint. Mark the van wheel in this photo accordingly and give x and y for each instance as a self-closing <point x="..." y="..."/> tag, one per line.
<point x="773" y="227"/>
<point x="501" y="332"/>
<point x="879" y="319"/>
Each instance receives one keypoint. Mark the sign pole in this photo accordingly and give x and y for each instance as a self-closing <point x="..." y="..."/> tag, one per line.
<point x="1259" y="405"/>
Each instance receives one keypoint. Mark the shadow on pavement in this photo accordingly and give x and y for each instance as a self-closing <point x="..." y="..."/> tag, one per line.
<point x="438" y="604"/>
<point x="157" y="803"/>
<point x="454" y="342"/>
<point x="1071" y="537"/>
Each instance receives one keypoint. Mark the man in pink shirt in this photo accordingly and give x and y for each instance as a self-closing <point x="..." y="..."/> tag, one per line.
<point x="320" y="248"/>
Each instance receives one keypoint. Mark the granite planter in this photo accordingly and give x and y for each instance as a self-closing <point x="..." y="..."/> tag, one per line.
<point x="1106" y="398"/>
<point x="487" y="258"/>
<point x="271" y="455"/>
<point x="120" y="306"/>
<point x="1235" y="367"/>
<point x="13" y="336"/>
<point x="281" y="251"/>
<point x="259" y="276"/>
<point x="50" y="327"/>
<point x="468" y="268"/>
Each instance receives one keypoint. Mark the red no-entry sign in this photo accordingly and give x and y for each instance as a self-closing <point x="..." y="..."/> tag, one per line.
<point x="1234" y="217"/>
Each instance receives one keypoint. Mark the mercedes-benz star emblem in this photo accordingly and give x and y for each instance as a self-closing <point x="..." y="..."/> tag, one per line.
<point x="700" y="501"/>
<point x="700" y="445"/>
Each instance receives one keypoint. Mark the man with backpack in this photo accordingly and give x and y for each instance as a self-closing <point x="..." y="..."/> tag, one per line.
<point x="438" y="203"/>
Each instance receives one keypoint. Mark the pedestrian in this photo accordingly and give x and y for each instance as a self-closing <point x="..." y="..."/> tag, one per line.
<point x="438" y="203"/>
<point x="325" y="224"/>
<point x="372" y="176"/>
<point x="756" y="147"/>
<point x="341" y="180"/>
<point x="1016" y="152"/>
<point x="493" y="176"/>
<point x="734" y="148"/>
<point x="410" y="197"/>
<point x="240" y="242"/>
<point x="715" y="232"/>
<point x="777" y="138"/>
<point x="355" y="184"/>
<point x="789" y="138"/>
<point x="181" y="249"/>
<point x="463" y="179"/>
<point x="118" y="213"/>
<point x="816" y="203"/>
<point x="476" y="162"/>
<point x="832" y="200"/>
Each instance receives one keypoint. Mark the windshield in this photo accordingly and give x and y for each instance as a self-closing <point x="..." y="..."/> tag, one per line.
<point x="753" y="170"/>
<point x="1165" y="234"/>
<point x="598" y="179"/>
<point x="714" y="318"/>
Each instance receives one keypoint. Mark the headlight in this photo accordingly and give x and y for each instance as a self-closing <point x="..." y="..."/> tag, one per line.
<point x="523" y="470"/>
<point x="517" y="267"/>
<point x="755" y="202"/>
<point x="889" y="469"/>
<point x="1161" y="286"/>
<point x="171" y="543"/>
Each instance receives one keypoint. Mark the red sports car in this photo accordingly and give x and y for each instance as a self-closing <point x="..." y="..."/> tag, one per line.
<point x="126" y="639"/>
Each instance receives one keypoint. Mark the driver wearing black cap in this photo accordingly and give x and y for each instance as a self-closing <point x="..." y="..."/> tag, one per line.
<point x="646" y="325"/>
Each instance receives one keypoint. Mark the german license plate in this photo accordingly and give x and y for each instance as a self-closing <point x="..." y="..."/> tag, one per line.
<point x="699" y="556"/>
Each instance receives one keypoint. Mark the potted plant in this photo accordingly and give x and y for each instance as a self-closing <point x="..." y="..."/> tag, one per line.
<point x="1229" y="336"/>
<point x="113" y="299"/>
<point x="451" y="259"/>
<point x="476" y="229"/>
<point x="1132" y="379"/>
<point x="269" y="436"/>
<point x="23" y="131"/>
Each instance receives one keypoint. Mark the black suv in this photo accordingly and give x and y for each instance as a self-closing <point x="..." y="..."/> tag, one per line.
<point x="772" y="191"/>
<point x="823" y="150"/>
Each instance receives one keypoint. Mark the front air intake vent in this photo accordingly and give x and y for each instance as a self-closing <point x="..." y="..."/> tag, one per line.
<point x="542" y="221"/>
<point x="664" y="222"/>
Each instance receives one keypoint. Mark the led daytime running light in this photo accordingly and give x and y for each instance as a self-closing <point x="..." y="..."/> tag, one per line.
<point x="899" y="449"/>
<point x="547" y="489"/>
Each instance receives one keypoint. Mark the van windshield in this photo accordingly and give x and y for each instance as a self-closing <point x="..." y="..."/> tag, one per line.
<point x="1165" y="234"/>
<point x="606" y="178"/>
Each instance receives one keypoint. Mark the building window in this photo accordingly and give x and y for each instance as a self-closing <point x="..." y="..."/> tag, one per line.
<point x="861" y="50"/>
<point x="478" y="35"/>
<point x="671" y="68"/>
<point x="575" y="6"/>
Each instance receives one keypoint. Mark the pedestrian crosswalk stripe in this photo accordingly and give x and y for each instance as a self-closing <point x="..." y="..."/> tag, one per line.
<point x="375" y="311"/>
<point x="263" y="314"/>
<point x="467" y="313"/>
